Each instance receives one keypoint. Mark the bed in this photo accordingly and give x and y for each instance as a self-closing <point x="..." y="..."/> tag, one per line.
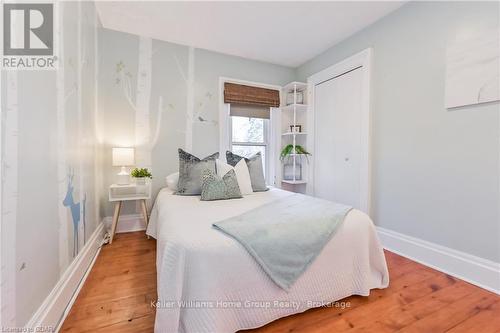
<point x="208" y="282"/>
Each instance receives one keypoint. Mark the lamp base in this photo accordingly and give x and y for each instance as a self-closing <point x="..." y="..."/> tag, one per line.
<point x="123" y="177"/>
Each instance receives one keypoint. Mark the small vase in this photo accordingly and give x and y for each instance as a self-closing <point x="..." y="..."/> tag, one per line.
<point x="140" y="181"/>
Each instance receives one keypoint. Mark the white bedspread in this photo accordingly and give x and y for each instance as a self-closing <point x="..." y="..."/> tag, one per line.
<point x="207" y="282"/>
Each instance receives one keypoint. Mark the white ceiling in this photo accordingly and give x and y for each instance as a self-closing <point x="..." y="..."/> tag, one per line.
<point x="285" y="33"/>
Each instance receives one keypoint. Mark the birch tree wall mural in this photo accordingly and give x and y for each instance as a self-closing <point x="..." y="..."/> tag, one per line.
<point x="62" y="99"/>
<point x="48" y="179"/>
<point x="142" y="98"/>
<point x="70" y="134"/>
<point x="77" y="210"/>
<point x="190" y="101"/>
<point x="156" y="85"/>
<point x="154" y="95"/>
<point x="161" y="96"/>
<point x="139" y="99"/>
<point x="194" y="110"/>
<point x="9" y="196"/>
<point x="140" y="103"/>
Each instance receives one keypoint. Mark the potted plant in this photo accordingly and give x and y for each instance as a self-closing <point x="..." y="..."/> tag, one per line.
<point x="288" y="150"/>
<point x="141" y="174"/>
<point x="291" y="171"/>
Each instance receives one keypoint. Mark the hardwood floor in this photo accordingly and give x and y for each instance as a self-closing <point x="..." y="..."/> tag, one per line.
<point x="117" y="294"/>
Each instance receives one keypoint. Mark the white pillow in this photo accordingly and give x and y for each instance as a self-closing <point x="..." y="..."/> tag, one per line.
<point x="222" y="168"/>
<point x="172" y="181"/>
<point x="242" y="174"/>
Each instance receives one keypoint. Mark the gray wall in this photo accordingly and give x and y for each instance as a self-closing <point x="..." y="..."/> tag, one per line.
<point x="168" y="79"/>
<point x="435" y="171"/>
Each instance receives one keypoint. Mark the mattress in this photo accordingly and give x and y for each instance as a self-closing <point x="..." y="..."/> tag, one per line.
<point x="208" y="282"/>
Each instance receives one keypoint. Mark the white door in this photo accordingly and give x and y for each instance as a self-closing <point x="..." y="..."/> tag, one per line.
<point x="337" y="136"/>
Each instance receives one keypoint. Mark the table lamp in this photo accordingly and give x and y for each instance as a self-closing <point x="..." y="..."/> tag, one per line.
<point x="123" y="157"/>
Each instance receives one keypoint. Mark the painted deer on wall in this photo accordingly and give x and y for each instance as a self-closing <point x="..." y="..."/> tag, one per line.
<point x="75" y="211"/>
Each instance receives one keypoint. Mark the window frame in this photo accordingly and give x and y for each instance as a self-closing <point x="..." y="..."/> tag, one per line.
<point x="274" y="127"/>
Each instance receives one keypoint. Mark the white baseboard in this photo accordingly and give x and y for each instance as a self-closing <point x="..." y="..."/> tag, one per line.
<point x="56" y="306"/>
<point x="126" y="223"/>
<point x="478" y="271"/>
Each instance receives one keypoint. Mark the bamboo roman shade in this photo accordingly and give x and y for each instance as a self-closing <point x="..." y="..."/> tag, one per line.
<point x="248" y="95"/>
<point x="249" y="111"/>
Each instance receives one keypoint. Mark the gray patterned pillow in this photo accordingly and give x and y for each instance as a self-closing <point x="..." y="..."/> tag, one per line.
<point x="190" y="168"/>
<point x="213" y="187"/>
<point x="255" y="169"/>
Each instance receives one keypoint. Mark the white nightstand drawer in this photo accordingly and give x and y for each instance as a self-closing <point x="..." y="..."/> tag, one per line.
<point x="129" y="192"/>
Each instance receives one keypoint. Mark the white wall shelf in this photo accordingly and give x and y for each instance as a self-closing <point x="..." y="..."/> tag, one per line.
<point x="294" y="107"/>
<point x="294" y="182"/>
<point x="293" y="114"/>
<point x="298" y="86"/>
<point x="291" y="133"/>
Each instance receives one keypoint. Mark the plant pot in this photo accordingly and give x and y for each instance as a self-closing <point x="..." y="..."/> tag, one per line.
<point x="140" y="181"/>
<point x="288" y="171"/>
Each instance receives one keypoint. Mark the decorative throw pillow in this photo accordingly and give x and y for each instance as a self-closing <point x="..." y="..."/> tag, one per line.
<point x="242" y="175"/>
<point x="190" y="169"/>
<point x="255" y="169"/>
<point x="172" y="181"/>
<point x="213" y="187"/>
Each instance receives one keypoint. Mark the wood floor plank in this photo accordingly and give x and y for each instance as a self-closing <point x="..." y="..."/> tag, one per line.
<point x="439" y="292"/>
<point x="118" y="292"/>
<point x="452" y="315"/>
<point x="365" y="318"/>
<point x="486" y="321"/>
<point x="327" y="317"/>
<point x="143" y="324"/>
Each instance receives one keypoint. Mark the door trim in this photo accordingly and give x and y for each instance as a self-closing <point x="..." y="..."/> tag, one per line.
<point x="362" y="60"/>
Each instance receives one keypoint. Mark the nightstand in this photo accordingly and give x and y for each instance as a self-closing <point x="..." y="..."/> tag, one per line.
<point x="129" y="192"/>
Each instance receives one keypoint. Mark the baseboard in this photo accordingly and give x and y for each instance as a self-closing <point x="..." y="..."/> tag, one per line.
<point x="126" y="223"/>
<point x="478" y="271"/>
<point x="58" y="303"/>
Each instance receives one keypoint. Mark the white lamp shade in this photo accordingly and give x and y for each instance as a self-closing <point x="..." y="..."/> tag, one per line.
<point x="123" y="156"/>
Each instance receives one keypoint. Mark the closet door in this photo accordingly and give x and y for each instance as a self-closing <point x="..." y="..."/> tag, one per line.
<point x="337" y="147"/>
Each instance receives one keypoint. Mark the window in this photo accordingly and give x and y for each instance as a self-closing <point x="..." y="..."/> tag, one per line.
<point x="246" y="121"/>
<point x="249" y="136"/>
